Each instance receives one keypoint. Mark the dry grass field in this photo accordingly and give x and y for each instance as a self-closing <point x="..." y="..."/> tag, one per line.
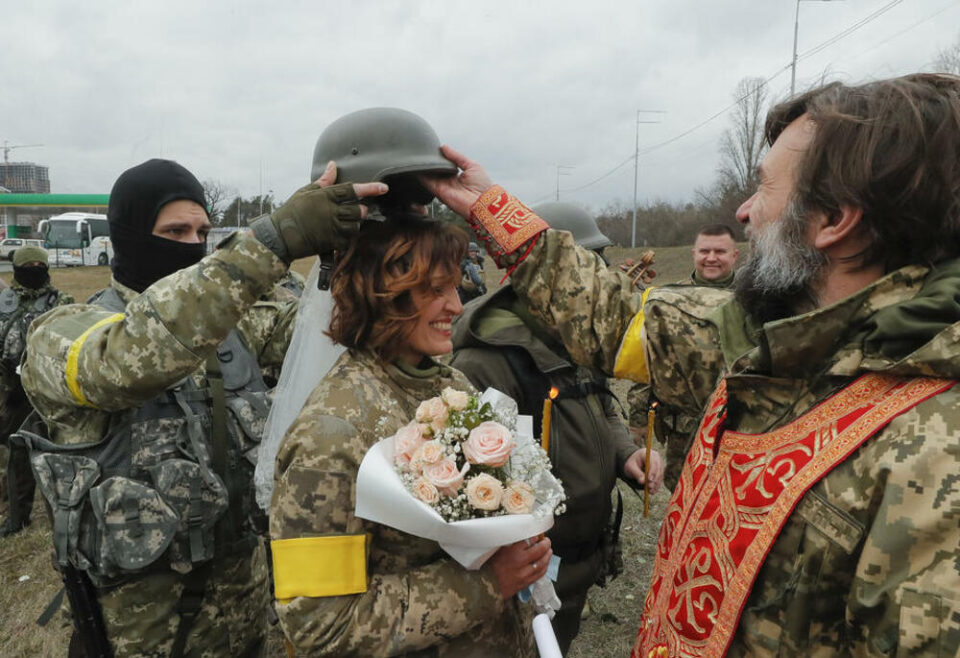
<point x="27" y="581"/>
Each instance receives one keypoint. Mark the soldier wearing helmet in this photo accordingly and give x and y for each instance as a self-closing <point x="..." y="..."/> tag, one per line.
<point x="30" y="296"/>
<point x="499" y="343"/>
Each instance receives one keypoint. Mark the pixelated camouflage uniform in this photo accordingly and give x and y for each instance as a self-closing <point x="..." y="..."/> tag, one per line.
<point x="867" y="563"/>
<point x="163" y="338"/>
<point x="495" y="339"/>
<point x="19" y="306"/>
<point x="673" y="428"/>
<point x="418" y="601"/>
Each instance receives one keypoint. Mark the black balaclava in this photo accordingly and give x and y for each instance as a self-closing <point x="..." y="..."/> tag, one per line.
<point x="34" y="277"/>
<point x="141" y="258"/>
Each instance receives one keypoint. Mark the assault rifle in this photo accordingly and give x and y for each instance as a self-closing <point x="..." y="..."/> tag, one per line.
<point x="87" y="613"/>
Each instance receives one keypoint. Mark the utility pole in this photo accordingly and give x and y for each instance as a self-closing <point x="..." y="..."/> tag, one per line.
<point x="636" y="169"/>
<point x="796" y="30"/>
<point x="561" y="173"/>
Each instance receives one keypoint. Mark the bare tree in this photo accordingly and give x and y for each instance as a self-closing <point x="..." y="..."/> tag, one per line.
<point x="742" y="145"/>
<point x="948" y="59"/>
<point x="216" y="194"/>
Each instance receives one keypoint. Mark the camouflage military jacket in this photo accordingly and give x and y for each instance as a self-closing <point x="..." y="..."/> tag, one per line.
<point x="19" y="306"/>
<point x="674" y="426"/>
<point x="417" y="601"/>
<point x="85" y="363"/>
<point x="867" y="562"/>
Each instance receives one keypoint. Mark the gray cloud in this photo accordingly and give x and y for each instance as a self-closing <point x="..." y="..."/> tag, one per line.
<point x="228" y="88"/>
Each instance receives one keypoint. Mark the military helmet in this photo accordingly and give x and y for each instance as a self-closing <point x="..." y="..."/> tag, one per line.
<point x="568" y="217"/>
<point x="29" y="254"/>
<point x="382" y="144"/>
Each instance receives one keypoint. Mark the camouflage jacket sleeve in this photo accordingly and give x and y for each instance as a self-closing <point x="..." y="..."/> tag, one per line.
<point x="268" y="328"/>
<point x="84" y="356"/>
<point x="571" y="291"/>
<point x="415" y="597"/>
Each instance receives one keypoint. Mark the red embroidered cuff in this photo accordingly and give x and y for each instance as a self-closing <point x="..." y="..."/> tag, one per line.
<point x="509" y="223"/>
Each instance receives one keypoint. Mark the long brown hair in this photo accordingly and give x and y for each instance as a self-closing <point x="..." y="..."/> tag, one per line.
<point x="892" y="149"/>
<point x="372" y="284"/>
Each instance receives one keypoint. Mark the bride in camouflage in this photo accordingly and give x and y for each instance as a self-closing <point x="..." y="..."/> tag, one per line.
<point x="346" y="586"/>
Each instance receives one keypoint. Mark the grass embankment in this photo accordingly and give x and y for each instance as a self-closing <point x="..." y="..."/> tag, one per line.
<point x="607" y="633"/>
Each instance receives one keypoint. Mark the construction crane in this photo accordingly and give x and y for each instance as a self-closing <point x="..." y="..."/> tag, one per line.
<point x="7" y="149"/>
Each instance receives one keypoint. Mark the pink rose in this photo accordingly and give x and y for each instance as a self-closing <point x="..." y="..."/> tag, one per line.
<point x="489" y="444"/>
<point x="425" y="491"/>
<point x="430" y="452"/>
<point x="518" y="498"/>
<point x="406" y="442"/>
<point x="484" y="492"/>
<point x="445" y="476"/>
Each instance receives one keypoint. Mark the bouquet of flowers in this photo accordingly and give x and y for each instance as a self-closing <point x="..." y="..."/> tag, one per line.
<point x="467" y="473"/>
<point x="455" y="457"/>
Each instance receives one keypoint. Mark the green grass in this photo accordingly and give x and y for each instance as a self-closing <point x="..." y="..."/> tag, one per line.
<point x="608" y="632"/>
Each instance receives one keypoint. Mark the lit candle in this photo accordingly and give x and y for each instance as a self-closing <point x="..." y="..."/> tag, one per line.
<point x="651" y="415"/>
<point x="545" y="426"/>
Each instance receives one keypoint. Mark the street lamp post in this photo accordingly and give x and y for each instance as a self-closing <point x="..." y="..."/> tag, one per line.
<point x="636" y="170"/>
<point x="796" y="30"/>
<point x="561" y="173"/>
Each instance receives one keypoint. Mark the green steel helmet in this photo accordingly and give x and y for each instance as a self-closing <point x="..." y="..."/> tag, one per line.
<point x="383" y="144"/>
<point x="29" y="254"/>
<point x="569" y="217"/>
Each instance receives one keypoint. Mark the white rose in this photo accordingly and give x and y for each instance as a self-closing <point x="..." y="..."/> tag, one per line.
<point x="489" y="444"/>
<point x="484" y="492"/>
<point x="425" y="491"/>
<point x="430" y="410"/>
<point x="430" y="452"/>
<point x="518" y="498"/>
<point x="456" y="400"/>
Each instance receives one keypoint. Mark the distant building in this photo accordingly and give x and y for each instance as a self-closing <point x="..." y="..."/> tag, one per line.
<point x="25" y="177"/>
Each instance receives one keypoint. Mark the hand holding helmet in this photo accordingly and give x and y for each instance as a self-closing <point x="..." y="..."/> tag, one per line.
<point x="319" y="218"/>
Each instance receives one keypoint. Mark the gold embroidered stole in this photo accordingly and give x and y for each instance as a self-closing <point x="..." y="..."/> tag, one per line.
<point x="731" y="504"/>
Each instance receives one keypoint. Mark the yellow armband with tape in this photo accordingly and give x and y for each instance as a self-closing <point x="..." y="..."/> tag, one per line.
<point x="319" y="566"/>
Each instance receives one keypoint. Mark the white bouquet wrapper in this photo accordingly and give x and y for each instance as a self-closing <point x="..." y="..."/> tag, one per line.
<point x="383" y="498"/>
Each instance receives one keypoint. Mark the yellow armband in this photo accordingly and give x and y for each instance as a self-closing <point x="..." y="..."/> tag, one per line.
<point x="73" y="358"/>
<point x="319" y="566"/>
<point x="631" y="360"/>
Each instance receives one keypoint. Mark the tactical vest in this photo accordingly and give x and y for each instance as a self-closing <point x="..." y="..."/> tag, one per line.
<point x="169" y="485"/>
<point x="15" y="319"/>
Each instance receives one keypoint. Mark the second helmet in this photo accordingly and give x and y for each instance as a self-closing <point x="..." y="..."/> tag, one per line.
<point x="568" y="217"/>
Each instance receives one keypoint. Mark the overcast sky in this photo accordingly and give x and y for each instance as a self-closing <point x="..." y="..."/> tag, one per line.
<point x="231" y="88"/>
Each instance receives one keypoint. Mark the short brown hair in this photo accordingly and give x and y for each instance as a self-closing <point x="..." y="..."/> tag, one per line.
<point x="716" y="229"/>
<point x="892" y="149"/>
<point x="372" y="283"/>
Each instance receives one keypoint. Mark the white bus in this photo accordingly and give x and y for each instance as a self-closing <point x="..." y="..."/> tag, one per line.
<point x="77" y="238"/>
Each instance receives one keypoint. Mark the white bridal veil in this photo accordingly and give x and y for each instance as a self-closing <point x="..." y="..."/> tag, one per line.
<point x="309" y="358"/>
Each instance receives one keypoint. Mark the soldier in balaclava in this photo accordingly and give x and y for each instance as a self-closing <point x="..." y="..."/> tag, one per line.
<point x="153" y="405"/>
<point x="30" y="296"/>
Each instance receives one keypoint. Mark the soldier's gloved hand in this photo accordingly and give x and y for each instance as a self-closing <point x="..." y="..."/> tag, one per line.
<point x="319" y="218"/>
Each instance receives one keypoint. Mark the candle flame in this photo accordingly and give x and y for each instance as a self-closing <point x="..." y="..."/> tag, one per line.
<point x="554" y="392"/>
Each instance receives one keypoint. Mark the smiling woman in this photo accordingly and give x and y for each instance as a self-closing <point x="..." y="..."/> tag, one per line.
<point x="395" y="290"/>
<point x="362" y="588"/>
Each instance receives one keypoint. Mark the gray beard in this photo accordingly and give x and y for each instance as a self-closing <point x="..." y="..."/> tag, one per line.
<point x="778" y="278"/>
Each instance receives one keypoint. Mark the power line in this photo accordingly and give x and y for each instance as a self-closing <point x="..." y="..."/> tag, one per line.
<point x="850" y="30"/>
<point x="816" y="49"/>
